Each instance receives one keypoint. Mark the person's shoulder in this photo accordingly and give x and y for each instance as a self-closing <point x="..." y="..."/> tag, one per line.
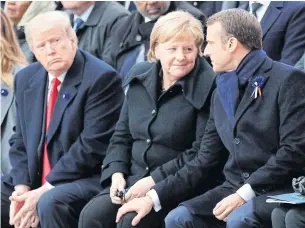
<point x="185" y="6"/>
<point x="116" y="9"/>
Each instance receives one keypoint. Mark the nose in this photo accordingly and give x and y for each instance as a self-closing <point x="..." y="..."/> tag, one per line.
<point x="206" y="51"/>
<point x="151" y="2"/>
<point x="180" y="55"/>
<point x="49" y="49"/>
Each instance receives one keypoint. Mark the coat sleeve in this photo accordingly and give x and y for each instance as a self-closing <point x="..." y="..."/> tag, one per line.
<point x="17" y="153"/>
<point x="290" y="157"/>
<point x="100" y="114"/>
<point x="210" y="152"/>
<point x="294" y="42"/>
<point x="119" y="151"/>
<point x="174" y="165"/>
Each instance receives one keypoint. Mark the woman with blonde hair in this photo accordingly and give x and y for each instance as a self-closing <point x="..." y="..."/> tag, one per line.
<point x="12" y="60"/>
<point x="162" y="121"/>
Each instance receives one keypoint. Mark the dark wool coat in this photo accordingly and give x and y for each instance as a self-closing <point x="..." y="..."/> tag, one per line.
<point x="266" y="143"/>
<point x="154" y="134"/>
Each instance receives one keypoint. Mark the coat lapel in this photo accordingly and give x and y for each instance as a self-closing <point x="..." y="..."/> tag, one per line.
<point x="66" y="94"/>
<point x="34" y="102"/>
<point x="270" y="16"/>
<point x="6" y="101"/>
<point x="247" y="100"/>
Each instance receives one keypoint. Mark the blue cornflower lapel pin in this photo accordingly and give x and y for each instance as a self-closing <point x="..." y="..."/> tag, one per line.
<point x="257" y="84"/>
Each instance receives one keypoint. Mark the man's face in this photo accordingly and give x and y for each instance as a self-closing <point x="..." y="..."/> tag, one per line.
<point x="53" y="49"/>
<point x="16" y="10"/>
<point x="216" y="49"/>
<point x="77" y="8"/>
<point x="152" y="9"/>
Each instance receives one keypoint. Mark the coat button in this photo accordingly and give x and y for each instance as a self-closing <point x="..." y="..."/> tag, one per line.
<point x="246" y="175"/>
<point x="195" y="3"/>
<point x="153" y="112"/>
<point x="102" y="166"/>
<point x="148" y="141"/>
<point x="236" y="141"/>
<point x="147" y="168"/>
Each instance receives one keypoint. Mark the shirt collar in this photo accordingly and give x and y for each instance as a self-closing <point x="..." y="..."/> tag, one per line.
<point x="85" y="14"/>
<point x="264" y="3"/>
<point x="60" y="78"/>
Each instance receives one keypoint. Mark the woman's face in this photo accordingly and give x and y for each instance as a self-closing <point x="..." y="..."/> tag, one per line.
<point x="16" y="9"/>
<point x="177" y="57"/>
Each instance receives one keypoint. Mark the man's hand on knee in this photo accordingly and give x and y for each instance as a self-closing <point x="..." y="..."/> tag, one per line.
<point x="142" y="206"/>
<point x="227" y="205"/>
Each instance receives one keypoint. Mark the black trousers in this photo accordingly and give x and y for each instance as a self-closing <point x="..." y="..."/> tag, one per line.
<point x="58" y="207"/>
<point x="100" y="212"/>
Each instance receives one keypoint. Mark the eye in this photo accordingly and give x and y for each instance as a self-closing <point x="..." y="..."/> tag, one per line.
<point x="171" y="49"/>
<point x="40" y="46"/>
<point x="188" y="49"/>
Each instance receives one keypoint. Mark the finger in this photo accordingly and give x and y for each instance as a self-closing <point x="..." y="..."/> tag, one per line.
<point x="122" y="211"/>
<point x="219" y="210"/>
<point x="13" y="206"/>
<point x="20" y="198"/>
<point x="217" y="205"/>
<point x="138" y="218"/>
<point x="36" y="222"/>
<point x="225" y="214"/>
<point x="119" y="215"/>
<point x="129" y="196"/>
<point x="26" y="220"/>
<point x="21" y="212"/>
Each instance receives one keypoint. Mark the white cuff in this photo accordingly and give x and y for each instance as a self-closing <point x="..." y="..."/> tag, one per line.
<point x="155" y="198"/>
<point x="49" y="186"/>
<point x="246" y="192"/>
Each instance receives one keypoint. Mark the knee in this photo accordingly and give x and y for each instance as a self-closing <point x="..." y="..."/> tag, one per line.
<point x="45" y="204"/>
<point x="277" y="214"/>
<point x="242" y="217"/>
<point x="126" y="220"/>
<point x="294" y="218"/>
<point x="88" y="215"/>
<point x="178" y="217"/>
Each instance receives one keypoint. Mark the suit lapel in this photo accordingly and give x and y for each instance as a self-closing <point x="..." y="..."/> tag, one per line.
<point x="270" y="16"/>
<point x="66" y="94"/>
<point x="34" y="102"/>
<point x="6" y="101"/>
<point x="247" y="100"/>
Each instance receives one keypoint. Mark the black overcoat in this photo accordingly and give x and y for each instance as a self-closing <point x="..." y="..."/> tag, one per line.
<point x="154" y="134"/>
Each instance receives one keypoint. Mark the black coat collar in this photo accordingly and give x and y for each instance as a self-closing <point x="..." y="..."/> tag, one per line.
<point x="196" y="86"/>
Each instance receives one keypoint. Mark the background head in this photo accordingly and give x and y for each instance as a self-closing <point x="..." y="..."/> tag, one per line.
<point x="77" y="7"/>
<point x="11" y="53"/>
<point x="152" y="9"/>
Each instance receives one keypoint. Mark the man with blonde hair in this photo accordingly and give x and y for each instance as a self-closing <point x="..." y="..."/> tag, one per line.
<point x="257" y="115"/>
<point x="67" y="106"/>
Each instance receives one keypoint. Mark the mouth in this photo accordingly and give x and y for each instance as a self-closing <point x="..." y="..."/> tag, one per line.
<point x="153" y="11"/>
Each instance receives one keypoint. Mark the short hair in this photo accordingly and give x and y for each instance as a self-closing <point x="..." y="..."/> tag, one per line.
<point x="240" y="24"/>
<point x="48" y="20"/>
<point x="174" y="26"/>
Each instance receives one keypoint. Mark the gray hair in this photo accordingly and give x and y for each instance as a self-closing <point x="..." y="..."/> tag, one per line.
<point x="48" y="20"/>
<point x="240" y="24"/>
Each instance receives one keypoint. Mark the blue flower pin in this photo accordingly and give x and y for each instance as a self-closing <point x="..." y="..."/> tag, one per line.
<point x="66" y="96"/>
<point x="257" y="83"/>
<point x="4" y="92"/>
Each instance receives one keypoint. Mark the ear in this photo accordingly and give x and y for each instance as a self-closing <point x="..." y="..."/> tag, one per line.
<point x="232" y="44"/>
<point x="156" y="52"/>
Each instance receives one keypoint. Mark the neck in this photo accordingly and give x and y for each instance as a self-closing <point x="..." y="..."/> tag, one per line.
<point x="237" y="58"/>
<point x="82" y="9"/>
<point x="167" y="82"/>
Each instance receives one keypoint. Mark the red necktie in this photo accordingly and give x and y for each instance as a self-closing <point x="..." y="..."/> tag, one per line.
<point x="46" y="167"/>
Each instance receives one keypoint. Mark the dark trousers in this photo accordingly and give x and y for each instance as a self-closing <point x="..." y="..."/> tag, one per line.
<point x="100" y="212"/>
<point x="288" y="217"/>
<point x="58" y="207"/>
<point x="247" y="216"/>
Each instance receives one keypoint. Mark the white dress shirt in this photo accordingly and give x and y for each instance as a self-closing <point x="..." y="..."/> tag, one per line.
<point x="260" y="12"/>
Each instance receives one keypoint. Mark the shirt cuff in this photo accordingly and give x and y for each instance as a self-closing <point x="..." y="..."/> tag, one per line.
<point x="246" y="192"/>
<point x="49" y="186"/>
<point x="155" y="198"/>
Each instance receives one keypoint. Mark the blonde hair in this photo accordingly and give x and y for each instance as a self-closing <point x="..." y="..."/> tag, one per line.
<point x="175" y="26"/>
<point x="47" y="21"/>
<point x="11" y="53"/>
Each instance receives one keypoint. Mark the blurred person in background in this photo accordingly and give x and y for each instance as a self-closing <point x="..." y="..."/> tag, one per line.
<point x="163" y="118"/>
<point x="12" y="60"/>
<point x="94" y="22"/>
<point x="20" y="13"/>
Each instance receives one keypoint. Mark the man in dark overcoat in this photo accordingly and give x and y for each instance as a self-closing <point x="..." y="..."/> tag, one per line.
<point x="257" y="114"/>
